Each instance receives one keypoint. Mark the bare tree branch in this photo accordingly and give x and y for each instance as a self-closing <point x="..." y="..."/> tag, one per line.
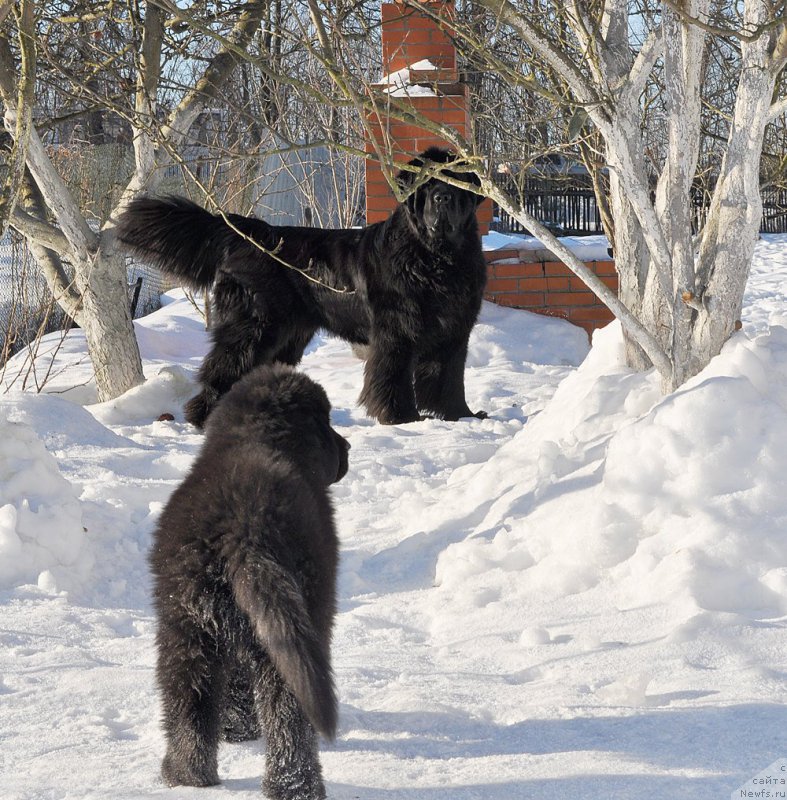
<point x="216" y="73"/>
<point x="57" y="195"/>
<point x="148" y="74"/>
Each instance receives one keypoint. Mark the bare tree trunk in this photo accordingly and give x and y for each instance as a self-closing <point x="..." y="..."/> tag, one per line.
<point x="684" y="46"/>
<point x="690" y="303"/>
<point x="24" y="120"/>
<point x="732" y="225"/>
<point x="633" y="266"/>
<point x="100" y="276"/>
<point x="106" y="321"/>
<point x="45" y="243"/>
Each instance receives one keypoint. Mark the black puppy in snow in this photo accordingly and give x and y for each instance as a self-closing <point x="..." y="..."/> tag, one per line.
<point x="244" y="563"/>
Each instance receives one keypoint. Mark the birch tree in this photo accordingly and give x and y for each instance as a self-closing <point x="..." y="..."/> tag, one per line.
<point x="38" y="202"/>
<point x="684" y="290"/>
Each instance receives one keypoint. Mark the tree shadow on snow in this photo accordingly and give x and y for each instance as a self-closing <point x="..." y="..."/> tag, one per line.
<point x="410" y="564"/>
<point x="718" y="749"/>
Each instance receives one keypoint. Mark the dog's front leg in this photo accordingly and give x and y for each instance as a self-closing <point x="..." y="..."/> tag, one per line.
<point x="440" y="382"/>
<point x="388" y="393"/>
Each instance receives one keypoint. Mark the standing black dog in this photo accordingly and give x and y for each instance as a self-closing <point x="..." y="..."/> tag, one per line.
<point x="244" y="563"/>
<point x="409" y="287"/>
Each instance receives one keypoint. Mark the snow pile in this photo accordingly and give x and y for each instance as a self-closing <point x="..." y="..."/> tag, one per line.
<point x="691" y="486"/>
<point x="662" y="500"/>
<point x="765" y="299"/>
<point x="42" y="539"/>
<point x="586" y="248"/>
<point x="77" y="500"/>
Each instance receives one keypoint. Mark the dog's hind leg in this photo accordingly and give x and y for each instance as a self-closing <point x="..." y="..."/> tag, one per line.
<point x="292" y="762"/>
<point x="189" y="675"/>
<point x="291" y="352"/>
<point x="239" y="721"/>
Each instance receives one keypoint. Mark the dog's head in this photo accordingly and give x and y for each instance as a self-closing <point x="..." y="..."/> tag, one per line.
<point x="440" y="211"/>
<point x="287" y="411"/>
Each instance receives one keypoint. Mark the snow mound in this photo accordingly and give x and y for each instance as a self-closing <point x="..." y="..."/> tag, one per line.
<point x="689" y="484"/>
<point x="163" y="393"/>
<point x="61" y="424"/>
<point x="503" y="335"/>
<point x="42" y="539"/>
<point x="656" y="499"/>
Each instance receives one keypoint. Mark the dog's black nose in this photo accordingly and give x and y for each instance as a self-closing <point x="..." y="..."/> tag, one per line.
<point x="441" y="197"/>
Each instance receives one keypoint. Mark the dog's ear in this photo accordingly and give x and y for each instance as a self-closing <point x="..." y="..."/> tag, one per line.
<point x="473" y="179"/>
<point x="405" y="179"/>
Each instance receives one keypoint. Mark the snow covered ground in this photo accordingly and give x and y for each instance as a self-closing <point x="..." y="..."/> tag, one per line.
<point x="584" y="596"/>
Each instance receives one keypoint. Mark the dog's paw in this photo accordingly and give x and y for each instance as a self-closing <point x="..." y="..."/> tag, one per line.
<point x="197" y="410"/>
<point x="294" y="787"/>
<point x="399" y="419"/>
<point x="176" y="773"/>
<point x="463" y="413"/>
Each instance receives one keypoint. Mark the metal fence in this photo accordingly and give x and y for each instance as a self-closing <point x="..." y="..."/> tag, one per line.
<point x="28" y="310"/>
<point x="568" y="206"/>
<point x="774" y="211"/>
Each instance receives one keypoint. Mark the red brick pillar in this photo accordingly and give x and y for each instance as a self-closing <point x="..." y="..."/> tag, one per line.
<point x="516" y="279"/>
<point x="433" y="90"/>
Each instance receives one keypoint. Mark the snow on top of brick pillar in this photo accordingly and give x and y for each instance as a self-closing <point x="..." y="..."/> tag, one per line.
<point x="402" y="84"/>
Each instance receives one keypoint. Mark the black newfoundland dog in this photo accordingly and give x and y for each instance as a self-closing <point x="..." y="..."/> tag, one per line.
<point x="244" y="562"/>
<point x="409" y="287"/>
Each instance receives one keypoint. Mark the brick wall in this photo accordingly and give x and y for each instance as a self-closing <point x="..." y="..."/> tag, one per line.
<point x="406" y="141"/>
<point x="407" y="38"/>
<point x="548" y="287"/>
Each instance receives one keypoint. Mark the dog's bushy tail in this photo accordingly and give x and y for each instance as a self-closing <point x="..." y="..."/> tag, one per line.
<point x="274" y="603"/>
<point x="175" y="235"/>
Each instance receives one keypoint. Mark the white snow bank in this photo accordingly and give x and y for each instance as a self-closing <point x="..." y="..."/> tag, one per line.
<point x="663" y="500"/>
<point x="77" y="500"/>
<point x="765" y="299"/>
<point x="174" y="334"/>
<point x="689" y="487"/>
<point x="42" y="538"/>
<point x="502" y="337"/>
<point x="162" y="393"/>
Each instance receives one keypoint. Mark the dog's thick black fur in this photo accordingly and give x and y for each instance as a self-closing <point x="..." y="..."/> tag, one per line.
<point x="244" y="563"/>
<point x="409" y="287"/>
